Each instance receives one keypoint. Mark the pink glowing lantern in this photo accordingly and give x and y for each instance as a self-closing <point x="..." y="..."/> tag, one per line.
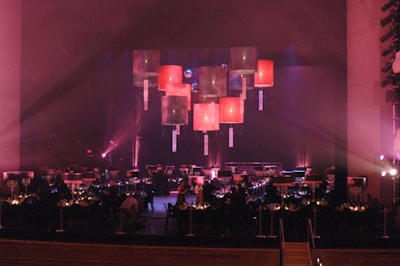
<point x="212" y="81"/>
<point x="243" y="62"/>
<point x="145" y="69"/>
<point x="205" y="118"/>
<point x="263" y="78"/>
<point x="174" y="111"/>
<point x="230" y="112"/>
<point x="169" y="74"/>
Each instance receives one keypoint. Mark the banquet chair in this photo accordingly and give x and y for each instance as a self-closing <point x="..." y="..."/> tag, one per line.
<point x="170" y="214"/>
<point x="149" y="200"/>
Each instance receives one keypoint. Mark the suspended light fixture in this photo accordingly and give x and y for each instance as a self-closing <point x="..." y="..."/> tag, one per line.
<point x="169" y="74"/>
<point x="243" y="62"/>
<point x="263" y="78"/>
<point x="235" y="81"/>
<point x="180" y="89"/>
<point x="205" y="118"/>
<point x="230" y="112"/>
<point x="145" y="68"/>
<point x="174" y="111"/>
<point x="212" y="81"/>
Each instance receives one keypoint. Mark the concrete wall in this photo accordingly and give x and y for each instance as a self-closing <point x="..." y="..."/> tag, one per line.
<point x="369" y="116"/>
<point x="10" y="83"/>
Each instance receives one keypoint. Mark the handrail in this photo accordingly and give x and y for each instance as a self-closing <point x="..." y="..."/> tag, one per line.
<point x="311" y="232"/>
<point x="282" y="240"/>
<point x="281" y="231"/>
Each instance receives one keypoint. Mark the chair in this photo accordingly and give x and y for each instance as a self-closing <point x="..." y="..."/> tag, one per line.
<point x="149" y="200"/>
<point x="170" y="214"/>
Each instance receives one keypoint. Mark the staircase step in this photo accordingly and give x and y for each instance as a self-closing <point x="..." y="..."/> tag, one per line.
<point x="297" y="253"/>
<point x="297" y="263"/>
<point x="303" y="261"/>
<point x="295" y="245"/>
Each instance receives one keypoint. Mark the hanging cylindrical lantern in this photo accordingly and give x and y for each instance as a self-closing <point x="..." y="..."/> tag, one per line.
<point x="230" y="112"/>
<point x="243" y="60"/>
<point x="205" y="116"/>
<point x="174" y="110"/>
<point x="145" y="70"/>
<point x="212" y="81"/>
<point x="146" y="64"/>
<point x="263" y="78"/>
<point x="235" y="81"/>
<point x="180" y="89"/>
<point x="169" y="74"/>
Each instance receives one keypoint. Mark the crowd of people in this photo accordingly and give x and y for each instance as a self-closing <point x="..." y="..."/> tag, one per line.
<point x="218" y="207"/>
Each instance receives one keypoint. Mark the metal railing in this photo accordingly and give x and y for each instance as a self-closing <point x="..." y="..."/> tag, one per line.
<point x="282" y="241"/>
<point x="311" y="233"/>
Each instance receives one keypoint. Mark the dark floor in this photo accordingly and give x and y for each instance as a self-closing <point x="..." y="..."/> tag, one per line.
<point x="155" y="219"/>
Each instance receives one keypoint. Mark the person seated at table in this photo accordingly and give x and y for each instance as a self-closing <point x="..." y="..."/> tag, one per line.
<point x="182" y="191"/>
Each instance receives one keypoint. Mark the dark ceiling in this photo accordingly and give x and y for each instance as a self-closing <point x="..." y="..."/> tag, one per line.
<point x="313" y="30"/>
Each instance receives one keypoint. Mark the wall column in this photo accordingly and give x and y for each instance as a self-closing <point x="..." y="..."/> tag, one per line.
<point x="10" y="84"/>
<point x="369" y="129"/>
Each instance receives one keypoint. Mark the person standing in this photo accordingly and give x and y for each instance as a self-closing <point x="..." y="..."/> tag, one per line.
<point x="182" y="191"/>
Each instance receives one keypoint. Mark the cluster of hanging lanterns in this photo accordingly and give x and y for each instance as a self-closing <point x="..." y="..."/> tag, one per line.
<point x="245" y="73"/>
